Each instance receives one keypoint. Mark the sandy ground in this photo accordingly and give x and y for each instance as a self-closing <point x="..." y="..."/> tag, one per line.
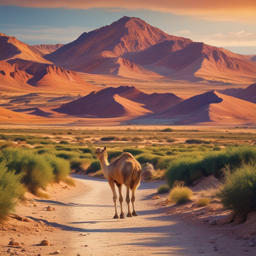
<point x="82" y="224"/>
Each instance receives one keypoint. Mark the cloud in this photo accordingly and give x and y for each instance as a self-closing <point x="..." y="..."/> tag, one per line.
<point x="238" y="38"/>
<point x="234" y="10"/>
<point x="42" y="34"/>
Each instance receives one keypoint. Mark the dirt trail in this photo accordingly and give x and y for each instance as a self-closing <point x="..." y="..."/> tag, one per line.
<point x="88" y="228"/>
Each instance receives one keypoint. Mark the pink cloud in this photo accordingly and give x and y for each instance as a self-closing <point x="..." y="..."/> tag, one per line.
<point x="204" y="9"/>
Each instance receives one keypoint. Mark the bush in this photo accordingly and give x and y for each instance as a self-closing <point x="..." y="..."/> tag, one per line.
<point x="64" y="142"/>
<point x="79" y="164"/>
<point x="134" y="151"/>
<point x="109" y="138"/>
<point x="167" y="130"/>
<point x="202" y="202"/>
<point x="67" y="155"/>
<point x="148" y="158"/>
<point x="10" y="190"/>
<point x="163" y="189"/>
<point x="191" y="168"/>
<point x="36" y="171"/>
<point x="185" y="169"/>
<point x="164" y="162"/>
<point x="180" y="195"/>
<point x="114" y="154"/>
<point x="195" y="141"/>
<point x="94" y="167"/>
<point x="61" y="167"/>
<point x="239" y="190"/>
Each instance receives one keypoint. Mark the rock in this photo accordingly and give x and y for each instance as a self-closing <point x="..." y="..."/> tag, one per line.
<point x="250" y="244"/>
<point x="45" y="243"/>
<point x="156" y="197"/>
<point x="14" y="243"/>
<point x="23" y="249"/>
<point x="48" y="208"/>
<point x="147" y="171"/>
<point x="28" y="220"/>
<point x="213" y="222"/>
<point x="56" y="252"/>
<point x="246" y="237"/>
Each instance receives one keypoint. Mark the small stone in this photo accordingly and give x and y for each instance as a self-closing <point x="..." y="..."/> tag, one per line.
<point x="213" y="222"/>
<point x="250" y="244"/>
<point x="34" y="205"/>
<point x="45" y="243"/>
<point x="56" y="252"/>
<point x="246" y="237"/>
<point x="48" y="208"/>
<point x="14" y="243"/>
<point x="156" y="197"/>
<point x="23" y="249"/>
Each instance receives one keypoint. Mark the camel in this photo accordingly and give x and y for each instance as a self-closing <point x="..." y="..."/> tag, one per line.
<point x="125" y="170"/>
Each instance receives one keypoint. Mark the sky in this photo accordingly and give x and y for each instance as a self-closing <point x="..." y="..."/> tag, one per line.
<point x="223" y="23"/>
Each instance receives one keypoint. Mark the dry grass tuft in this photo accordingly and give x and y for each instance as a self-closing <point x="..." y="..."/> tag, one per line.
<point x="180" y="195"/>
<point x="202" y="202"/>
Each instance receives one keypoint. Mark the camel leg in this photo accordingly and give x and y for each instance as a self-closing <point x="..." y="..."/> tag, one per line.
<point x="128" y="201"/>
<point x="133" y="200"/>
<point x="112" y="185"/>
<point x="121" y="201"/>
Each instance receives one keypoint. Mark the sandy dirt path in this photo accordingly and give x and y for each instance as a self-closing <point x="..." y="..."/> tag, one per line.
<point x="86" y="226"/>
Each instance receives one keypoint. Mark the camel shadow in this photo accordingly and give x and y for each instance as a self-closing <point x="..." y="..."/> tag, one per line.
<point x="52" y="202"/>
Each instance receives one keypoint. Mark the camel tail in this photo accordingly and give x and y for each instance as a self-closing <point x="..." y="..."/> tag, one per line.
<point x="136" y="182"/>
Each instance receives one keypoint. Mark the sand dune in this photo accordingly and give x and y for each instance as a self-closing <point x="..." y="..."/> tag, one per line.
<point x="155" y="102"/>
<point x="248" y="94"/>
<point x="119" y="102"/>
<point x="213" y="107"/>
<point x="8" y="115"/>
<point x="47" y="48"/>
<point x="105" y="104"/>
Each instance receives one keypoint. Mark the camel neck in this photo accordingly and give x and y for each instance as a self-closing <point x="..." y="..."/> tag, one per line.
<point x="104" y="163"/>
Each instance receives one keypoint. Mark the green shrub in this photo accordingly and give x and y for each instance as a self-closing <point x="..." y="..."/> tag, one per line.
<point x="167" y="130"/>
<point x="239" y="190"/>
<point x="79" y="164"/>
<point x="163" y="189"/>
<point x="10" y="190"/>
<point x="148" y="158"/>
<point x="108" y="138"/>
<point x="195" y="141"/>
<point x="61" y="167"/>
<point x="67" y="155"/>
<point x="202" y="202"/>
<point x="114" y="154"/>
<point x="134" y="151"/>
<point x="164" y="162"/>
<point x="94" y="167"/>
<point x="216" y="148"/>
<point x="180" y="195"/>
<point x="191" y="168"/>
<point x="87" y="150"/>
<point x="37" y="172"/>
<point x="64" y="142"/>
<point x="184" y="169"/>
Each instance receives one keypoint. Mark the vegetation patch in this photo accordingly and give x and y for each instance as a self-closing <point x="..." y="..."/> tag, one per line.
<point x="202" y="202"/>
<point x="180" y="195"/>
<point x="239" y="190"/>
<point x="163" y="189"/>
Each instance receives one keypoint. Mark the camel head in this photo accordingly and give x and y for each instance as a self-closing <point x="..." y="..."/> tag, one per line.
<point x="101" y="153"/>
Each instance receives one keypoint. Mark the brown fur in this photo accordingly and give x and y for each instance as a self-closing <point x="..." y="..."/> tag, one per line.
<point x="125" y="170"/>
